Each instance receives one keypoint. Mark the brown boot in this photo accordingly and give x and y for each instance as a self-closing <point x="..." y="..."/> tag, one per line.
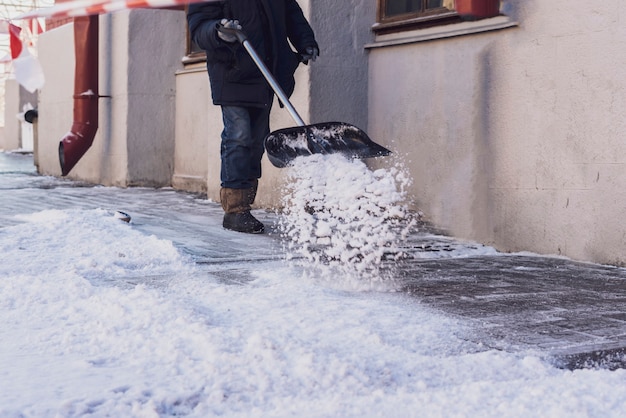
<point x="251" y="195"/>
<point x="237" y="216"/>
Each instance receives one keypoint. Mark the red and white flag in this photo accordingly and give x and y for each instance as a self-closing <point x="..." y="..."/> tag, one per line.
<point x="34" y="26"/>
<point x="26" y="68"/>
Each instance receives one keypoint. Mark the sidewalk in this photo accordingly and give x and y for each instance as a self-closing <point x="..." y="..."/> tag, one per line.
<point x="572" y="313"/>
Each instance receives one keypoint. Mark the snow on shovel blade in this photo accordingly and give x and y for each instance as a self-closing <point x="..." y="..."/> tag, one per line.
<point x="284" y="145"/>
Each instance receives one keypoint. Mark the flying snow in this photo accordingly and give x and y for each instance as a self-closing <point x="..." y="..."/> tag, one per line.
<point x="339" y="213"/>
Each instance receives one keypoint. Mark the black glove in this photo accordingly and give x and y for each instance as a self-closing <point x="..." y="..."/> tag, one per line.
<point x="226" y="37"/>
<point x="310" y="55"/>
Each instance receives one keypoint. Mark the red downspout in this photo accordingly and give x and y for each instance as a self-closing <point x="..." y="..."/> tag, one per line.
<point x="76" y="142"/>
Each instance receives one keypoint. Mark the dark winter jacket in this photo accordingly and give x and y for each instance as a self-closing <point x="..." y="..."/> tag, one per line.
<point x="268" y="24"/>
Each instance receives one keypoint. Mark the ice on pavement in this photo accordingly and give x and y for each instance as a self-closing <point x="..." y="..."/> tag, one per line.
<point x="100" y="319"/>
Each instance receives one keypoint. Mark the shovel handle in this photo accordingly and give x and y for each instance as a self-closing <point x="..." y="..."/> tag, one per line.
<point x="243" y="39"/>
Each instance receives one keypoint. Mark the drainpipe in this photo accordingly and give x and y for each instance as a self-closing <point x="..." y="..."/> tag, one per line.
<point x="77" y="141"/>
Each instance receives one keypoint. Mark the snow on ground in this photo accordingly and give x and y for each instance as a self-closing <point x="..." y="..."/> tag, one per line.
<point x="99" y="319"/>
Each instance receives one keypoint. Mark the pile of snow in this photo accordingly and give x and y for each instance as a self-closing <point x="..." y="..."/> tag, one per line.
<point x="85" y="251"/>
<point x="101" y="320"/>
<point x="339" y="213"/>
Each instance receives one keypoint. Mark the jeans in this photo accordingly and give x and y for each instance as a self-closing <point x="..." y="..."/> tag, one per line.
<point x="245" y="128"/>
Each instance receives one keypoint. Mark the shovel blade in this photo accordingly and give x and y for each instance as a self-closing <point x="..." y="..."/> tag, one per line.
<point x="285" y="145"/>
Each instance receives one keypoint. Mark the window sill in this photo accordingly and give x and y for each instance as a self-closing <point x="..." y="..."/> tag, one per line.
<point x="194" y="58"/>
<point x="443" y="32"/>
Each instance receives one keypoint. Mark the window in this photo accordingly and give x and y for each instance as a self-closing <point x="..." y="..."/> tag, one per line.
<point x="396" y="15"/>
<point x="398" y="7"/>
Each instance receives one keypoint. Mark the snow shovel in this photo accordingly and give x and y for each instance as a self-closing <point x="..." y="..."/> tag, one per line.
<point x="284" y="145"/>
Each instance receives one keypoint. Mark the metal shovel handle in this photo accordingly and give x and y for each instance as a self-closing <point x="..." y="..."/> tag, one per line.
<point x="243" y="39"/>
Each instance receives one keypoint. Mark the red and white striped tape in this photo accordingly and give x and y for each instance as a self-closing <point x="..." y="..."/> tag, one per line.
<point x="92" y="7"/>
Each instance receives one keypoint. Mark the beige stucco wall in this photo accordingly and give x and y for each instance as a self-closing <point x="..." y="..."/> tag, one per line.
<point x="140" y="51"/>
<point x="56" y="55"/>
<point x="515" y="137"/>
<point x="12" y="133"/>
<point x="16" y="100"/>
<point x="339" y="78"/>
<point x="193" y="122"/>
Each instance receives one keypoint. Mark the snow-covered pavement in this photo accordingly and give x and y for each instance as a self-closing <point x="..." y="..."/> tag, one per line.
<point x="170" y="315"/>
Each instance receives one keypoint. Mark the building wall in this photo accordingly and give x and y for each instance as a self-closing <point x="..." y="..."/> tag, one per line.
<point x="56" y="55"/>
<point x="511" y="127"/>
<point x="16" y="101"/>
<point x="339" y="79"/>
<point x="195" y="121"/>
<point x="140" y="51"/>
<point x="514" y="137"/>
<point x="12" y="132"/>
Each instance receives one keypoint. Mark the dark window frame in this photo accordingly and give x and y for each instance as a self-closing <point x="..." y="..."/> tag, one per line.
<point x="422" y="18"/>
